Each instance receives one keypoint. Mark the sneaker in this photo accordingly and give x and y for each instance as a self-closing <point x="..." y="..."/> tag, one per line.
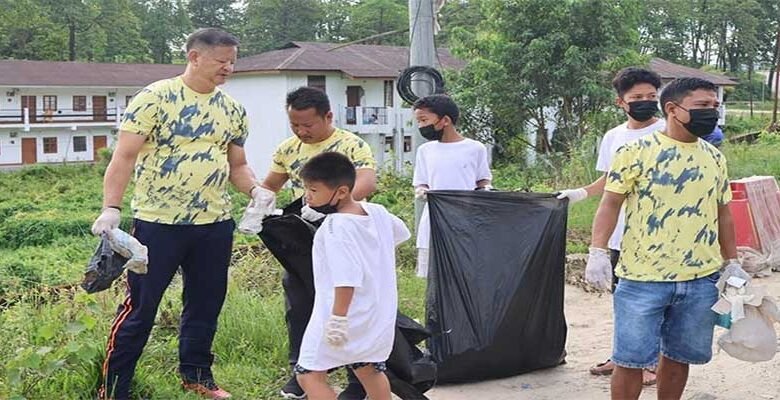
<point x="208" y="389"/>
<point x="354" y="391"/>
<point x="292" y="390"/>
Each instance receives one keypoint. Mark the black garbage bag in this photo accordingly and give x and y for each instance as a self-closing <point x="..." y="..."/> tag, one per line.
<point x="289" y="238"/>
<point x="495" y="283"/>
<point x="104" y="267"/>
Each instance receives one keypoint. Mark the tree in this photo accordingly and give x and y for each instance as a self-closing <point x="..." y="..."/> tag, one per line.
<point x="26" y="32"/>
<point x="76" y="16"/>
<point x="372" y="17"/>
<point x="273" y="23"/>
<point x="165" y="26"/>
<point x="526" y="71"/>
<point x="223" y="14"/>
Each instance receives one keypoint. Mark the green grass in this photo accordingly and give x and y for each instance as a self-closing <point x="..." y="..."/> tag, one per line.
<point x="54" y="335"/>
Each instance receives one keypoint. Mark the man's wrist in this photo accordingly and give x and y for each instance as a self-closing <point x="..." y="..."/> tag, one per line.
<point x="114" y="207"/>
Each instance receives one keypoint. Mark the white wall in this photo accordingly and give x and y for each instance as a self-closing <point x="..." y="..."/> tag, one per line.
<point x="263" y="97"/>
<point x="10" y="147"/>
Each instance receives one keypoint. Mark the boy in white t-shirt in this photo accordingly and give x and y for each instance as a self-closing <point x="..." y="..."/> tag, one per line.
<point x="448" y="161"/>
<point x="637" y="91"/>
<point x="355" y="303"/>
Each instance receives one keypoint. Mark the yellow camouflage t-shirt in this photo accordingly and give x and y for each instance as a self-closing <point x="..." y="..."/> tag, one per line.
<point x="673" y="190"/>
<point x="182" y="170"/>
<point x="292" y="154"/>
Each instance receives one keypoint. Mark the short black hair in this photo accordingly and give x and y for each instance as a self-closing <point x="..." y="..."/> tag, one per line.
<point x="629" y="77"/>
<point x="309" y="97"/>
<point x="439" y="104"/>
<point x="210" y="37"/>
<point x="331" y="168"/>
<point x="680" y="88"/>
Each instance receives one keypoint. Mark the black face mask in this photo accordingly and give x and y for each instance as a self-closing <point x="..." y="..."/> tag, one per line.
<point x="327" y="208"/>
<point x="642" y="110"/>
<point x="429" y="132"/>
<point x="703" y="121"/>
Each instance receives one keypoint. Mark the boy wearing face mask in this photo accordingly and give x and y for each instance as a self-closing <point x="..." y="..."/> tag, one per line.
<point x="353" y="321"/>
<point x="448" y="161"/>
<point x="637" y="95"/>
<point x="679" y="234"/>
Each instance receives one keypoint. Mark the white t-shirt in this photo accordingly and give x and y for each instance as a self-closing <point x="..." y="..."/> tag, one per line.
<point x="448" y="166"/>
<point x="354" y="251"/>
<point x="614" y="139"/>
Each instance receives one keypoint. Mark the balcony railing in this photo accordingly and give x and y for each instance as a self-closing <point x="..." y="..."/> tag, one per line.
<point x="28" y="117"/>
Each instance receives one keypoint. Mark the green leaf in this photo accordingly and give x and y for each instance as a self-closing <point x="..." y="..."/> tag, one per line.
<point x="15" y="376"/>
<point x="31" y="361"/>
<point x="46" y="332"/>
<point x="43" y="351"/>
<point x="88" y="321"/>
<point x="75" y="327"/>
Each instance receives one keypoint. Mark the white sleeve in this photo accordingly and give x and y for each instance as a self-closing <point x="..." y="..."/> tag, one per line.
<point x="340" y="258"/>
<point x="400" y="231"/>
<point x="420" y="170"/>
<point x="604" y="160"/>
<point x="483" y="169"/>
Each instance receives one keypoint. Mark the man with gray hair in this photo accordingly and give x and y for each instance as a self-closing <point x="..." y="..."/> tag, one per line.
<point x="183" y="137"/>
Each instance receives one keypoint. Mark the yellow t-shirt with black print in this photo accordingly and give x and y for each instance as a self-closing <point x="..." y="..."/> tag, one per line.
<point x="673" y="190"/>
<point x="182" y="171"/>
<point x="292" y="154"/>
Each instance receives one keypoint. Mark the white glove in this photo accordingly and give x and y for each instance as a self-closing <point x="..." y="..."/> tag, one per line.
<point x="574" y="195"/>
<point x="263" y="200"/>
<point x="734" y="269"/>
<point x="598" y="271"/>
<point x="108" y="220"/>
<point x="310" y="215"/>
<point x="262" y="205"/>
<point x="336" y="331"/>
<point x="421" y="193"/>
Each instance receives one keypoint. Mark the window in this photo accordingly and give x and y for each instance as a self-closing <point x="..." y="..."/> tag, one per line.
<point x="79" y="103"/>
<point x="389" y="93"/>
<point x="79" y="144"/>
<point x="316" y="81"/>
<point x="50" y="103"/>
<point x="389" y="143"/>
<point x="407" y="144"/>
<point x="49" y="145"/>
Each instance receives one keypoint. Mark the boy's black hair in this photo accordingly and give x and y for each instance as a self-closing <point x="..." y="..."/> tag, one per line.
<point x="210" y="37"/>
<point x="440" y="105"/>
<point x="632" y="76"/>
<point x="681" y="88"/>
<point x="309" y="97"/>
<point x="331" y="168"/>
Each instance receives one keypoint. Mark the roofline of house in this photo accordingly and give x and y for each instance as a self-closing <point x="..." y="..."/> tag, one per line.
<point x="69" y="86"/>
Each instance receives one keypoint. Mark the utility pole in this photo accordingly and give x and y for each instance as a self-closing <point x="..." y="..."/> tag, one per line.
<point x="422" y="52"/>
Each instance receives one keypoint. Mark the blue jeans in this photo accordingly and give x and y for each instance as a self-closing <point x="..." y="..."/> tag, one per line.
<point x="670" y="318"/>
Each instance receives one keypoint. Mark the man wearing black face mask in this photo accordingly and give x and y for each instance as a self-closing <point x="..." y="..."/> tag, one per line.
<point x="678" y="242"/>
<point x="637" y="96"/>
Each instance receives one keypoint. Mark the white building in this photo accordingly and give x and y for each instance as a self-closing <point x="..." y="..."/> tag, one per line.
<point x="359" y="80"/>
<point x="54" y="112"/>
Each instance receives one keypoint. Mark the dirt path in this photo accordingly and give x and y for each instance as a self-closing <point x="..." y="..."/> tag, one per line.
<point x="589" y="317"/>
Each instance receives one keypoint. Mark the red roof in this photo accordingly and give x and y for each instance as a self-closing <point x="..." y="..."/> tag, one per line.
<point x="669" y="70"/>
<point x="65" y="73"/>
<point x="356" y="61"/>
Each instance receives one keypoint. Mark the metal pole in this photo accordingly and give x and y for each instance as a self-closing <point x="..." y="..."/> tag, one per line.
<point x="421" y="52"/>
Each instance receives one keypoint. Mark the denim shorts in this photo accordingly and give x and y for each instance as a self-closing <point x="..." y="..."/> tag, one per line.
<point x="670" y="318"/>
